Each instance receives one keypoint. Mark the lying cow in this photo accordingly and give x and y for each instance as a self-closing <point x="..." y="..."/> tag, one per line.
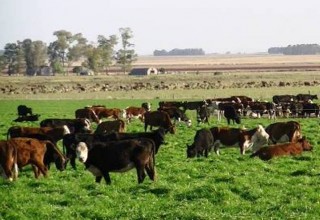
<point x="245" y="139"/>
<point x="281" y="132"/>
<point x="203" y="142"/>
<point x="284" y="149"/>
<point x="27" y="118"/>
<point x="176" y="114"/>
<point x="108" y="127"/>
<point x="23" y="110"/>
<point x="118" y="156"/>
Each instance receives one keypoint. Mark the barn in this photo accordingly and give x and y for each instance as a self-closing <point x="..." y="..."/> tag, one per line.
<point x="143" y="71"/>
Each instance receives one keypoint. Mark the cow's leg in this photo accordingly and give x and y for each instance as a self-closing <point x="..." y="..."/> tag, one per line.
<point x="140" y="172"/>
<point x="206" y="152"/>
<point x="216" y="147"/>
<point x="145" y="127"/>
<point x="98" y="179"/>
<point x="43" y="169"/>
<point x="150" y="169"/>
<point x="106" y="177"/>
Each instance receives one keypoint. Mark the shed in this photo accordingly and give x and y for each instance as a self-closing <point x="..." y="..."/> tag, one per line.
<point x="143" y="71"/>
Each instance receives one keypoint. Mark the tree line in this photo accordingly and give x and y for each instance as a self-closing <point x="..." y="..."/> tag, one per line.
<point x="180" y="52"/>
<point x="299" y="49"/>
<point x="29" y="56"/>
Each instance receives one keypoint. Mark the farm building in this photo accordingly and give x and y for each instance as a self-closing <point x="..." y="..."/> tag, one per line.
<point x="143" y="71"/>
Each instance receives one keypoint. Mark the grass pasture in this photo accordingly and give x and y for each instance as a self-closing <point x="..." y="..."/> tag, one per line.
<point x="229" y="186"/>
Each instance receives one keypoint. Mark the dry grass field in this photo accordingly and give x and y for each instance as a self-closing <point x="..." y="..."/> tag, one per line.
<point x="189" y="78"/>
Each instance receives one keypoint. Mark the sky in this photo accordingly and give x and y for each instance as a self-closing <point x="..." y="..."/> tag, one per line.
<point x="216" y="26"/>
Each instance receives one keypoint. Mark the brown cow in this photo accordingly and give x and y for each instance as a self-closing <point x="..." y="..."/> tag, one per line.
<point x="284" y="149"/>
<point x="87" y="113"/>
<point x="281" y="132"/>
<point x="108" y="127"/>
<point x="245" y="139"/>
<point x="159" y="119"/>
<point x="114" y="113"/>
<point x="118" y="156"/>
<point x="8" y="160"/>
<point x="47" y="133"/>
<point x="134" y="112"/>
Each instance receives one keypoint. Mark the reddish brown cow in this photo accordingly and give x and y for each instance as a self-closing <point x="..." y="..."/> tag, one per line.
<point x="108" y="113"/>
<point x="87" y="113"/>
<point x="284" y="149"/>
<point x="108" y="127"/>
<point x="8" y="160"/>
<point x="134" y="112"/>
<point x="158" y="119"/>
<point x="52" y="134"/>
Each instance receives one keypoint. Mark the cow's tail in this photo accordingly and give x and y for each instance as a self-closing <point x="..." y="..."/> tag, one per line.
<point x="15" y="163"/>
<point x="254" y="154"/>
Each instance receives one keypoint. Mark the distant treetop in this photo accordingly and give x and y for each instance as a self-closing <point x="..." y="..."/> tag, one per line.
<point x="180" y="52"/>
<point x="299" y="49"/>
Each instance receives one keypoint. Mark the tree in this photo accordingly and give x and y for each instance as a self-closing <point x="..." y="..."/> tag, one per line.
<point x="125" y="56"/>
<point x="106" y="48"/>
<point x="13" y="55"/>
<point x="58" y="50"/>
<point x="35" y="55"/>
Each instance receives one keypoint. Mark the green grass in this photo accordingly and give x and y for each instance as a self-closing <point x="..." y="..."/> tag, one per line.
<point x="229" y="186"/>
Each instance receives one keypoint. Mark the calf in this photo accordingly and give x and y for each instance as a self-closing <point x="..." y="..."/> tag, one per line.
<point x="277" y="150"/>
<point x="24" y="110"/>
<point x="159" y="119"/>
<point x="134" y="112"/>
<point x="87" y="113"/>
<point x="108" y="127"/>
<point x="203" y="114"/>
<point x="203" y="142"/>
<point x="118" y="156"/>
<point x="231" y="114"/>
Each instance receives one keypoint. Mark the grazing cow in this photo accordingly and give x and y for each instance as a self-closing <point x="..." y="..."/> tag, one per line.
<point x="281" y="132"/>
<point x="283" y="98"/>
<point x="310" y="108"/>
<point x="164" y="104"/>
<point x="24" y="110"/>
<point x="27" y="118"/>
<point x="108" y="127"/>
<point x="52" y="134"/>
<point x="306" y="97"/>
<point x="231" y="114"/>
<point x="146" y="106"/>
<point x="114" y="113"/>
<point x="259" y="108"/>
<point x="118" y="156"/>
<point x="78" y="125"/>
<point x="8" y="161"/>
<point x="134" y="112"/>
<point x="245" y="139"/>
<point x="203" y="114"/>
<point x="87" y="113"/>
<point x="158" y="119"/>
<point x="284" y="149"/>
<point x="193" y="105"/>
<point x="29" y="151"/>
<point x="203" y="142"/>
<point x="176" y="114"/>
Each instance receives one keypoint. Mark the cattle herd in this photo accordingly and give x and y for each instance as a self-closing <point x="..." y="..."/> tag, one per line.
<point x="111" y="149"/>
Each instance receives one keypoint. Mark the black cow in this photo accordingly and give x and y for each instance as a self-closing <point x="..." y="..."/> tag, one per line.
<point x="118" y="156"/>
<point x="193" y="105"/>
<point x="203" y="142"/>
<point x="231" y="114"/>
<point x="27" y="118"/>
<point x="176" y="114"/>
<point x="24" y="110"/>
<point x="71" y="140"/>
<point x="283" y="98"/>
<point x="310" y="108"/>
<point x="78" y="125"/>
<point x="203" y="114"/>
<point x="306" y="97"/>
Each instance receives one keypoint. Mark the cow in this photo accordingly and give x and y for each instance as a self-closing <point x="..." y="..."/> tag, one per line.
<point x="310" y="108"/>
<point x="71" y="140"/>
<point x="158" y="119"/>
<point x="108" y="127"/>
<point x="176" y="114"/>
<point x="52" y="134"/>
<point x="230" y="113"/>
<point x="203" y="142"/>
<point x="283" y="149"/>
<point x="193" y="105"/>
<point x="306" y="97"/>
<point x="281" y="132"/>
<point x="134" y="112"/>
<point x="114" y="113"/>
<point x="243" y="138"/>
<point x="146" y="106"/>
<point x="164" y="104"/>
<point x="23" y="110"/>
<point x="8" y="161"/>
<point x="78" y="125"/>
<point x="260" y="108"/>
<point x="118" y="156"/>
<point x="203" y="114"/>
<point x="27" y="118"/>
<point x="87" y="113"/>
<point x="283" y="98"/>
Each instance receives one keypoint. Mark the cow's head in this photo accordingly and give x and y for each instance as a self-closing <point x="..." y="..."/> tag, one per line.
<point x="172" y="129"/>
<point x="306" y="146"/>
<point x="82" y="152"/>
<point x="191" y="151"/>
<point x="238" y="120"/>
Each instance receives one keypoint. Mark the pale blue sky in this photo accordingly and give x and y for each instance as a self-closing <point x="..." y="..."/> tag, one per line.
<point x="244" y="26"/>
